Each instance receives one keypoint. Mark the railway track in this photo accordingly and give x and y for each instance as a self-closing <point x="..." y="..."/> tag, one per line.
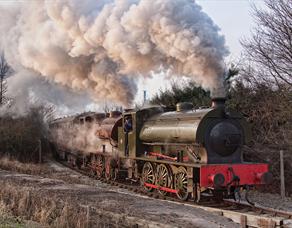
<point x="245" y="214"/>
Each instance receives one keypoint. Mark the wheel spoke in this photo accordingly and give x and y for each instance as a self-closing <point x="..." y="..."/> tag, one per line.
<point x="181" y="183"/>
<point x="147" y="176"/>
<point x="163" y="178"/>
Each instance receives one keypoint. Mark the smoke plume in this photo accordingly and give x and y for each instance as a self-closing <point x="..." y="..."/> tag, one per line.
<point x="102" y="47"/>
<point x="80" y="138"/>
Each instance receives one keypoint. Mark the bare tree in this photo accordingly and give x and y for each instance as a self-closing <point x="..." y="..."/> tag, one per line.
<point x="270" y="48"/>
<point x="5" y="70"/>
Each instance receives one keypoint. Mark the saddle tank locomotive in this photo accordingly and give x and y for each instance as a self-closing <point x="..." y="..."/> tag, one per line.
<point x="185" y="152"/>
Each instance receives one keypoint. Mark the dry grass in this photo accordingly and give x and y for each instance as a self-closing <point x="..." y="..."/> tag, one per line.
<point x="41" y="207"/>
<point x="59" y="210"/>
<point x="7" y="221"/>
<point x="26" y="168"/>
<point x="44" y="170"/>
<point x="26" y="199"/>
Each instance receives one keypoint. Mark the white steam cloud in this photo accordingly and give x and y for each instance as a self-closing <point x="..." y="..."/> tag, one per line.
<point x="102" y="47"/>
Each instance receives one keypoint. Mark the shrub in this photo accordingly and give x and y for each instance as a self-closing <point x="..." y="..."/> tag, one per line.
<point x="22" y="137"/>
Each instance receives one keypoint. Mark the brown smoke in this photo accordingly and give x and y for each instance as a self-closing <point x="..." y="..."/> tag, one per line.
<point x="103" y="47"/>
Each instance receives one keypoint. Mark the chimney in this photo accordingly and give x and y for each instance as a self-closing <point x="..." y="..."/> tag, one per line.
<point x="218" y="102"/>
<point x="218" y="96"/>
<point x="144" y="96"/>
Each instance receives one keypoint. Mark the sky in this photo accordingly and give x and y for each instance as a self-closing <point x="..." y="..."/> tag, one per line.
<point x="236" y="22"/>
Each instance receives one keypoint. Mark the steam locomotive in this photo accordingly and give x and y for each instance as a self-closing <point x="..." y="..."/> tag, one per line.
<point x="185" y="152"/>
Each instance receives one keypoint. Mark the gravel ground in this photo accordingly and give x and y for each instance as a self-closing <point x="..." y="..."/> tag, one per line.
<point x="114" y="206"/>
<point x="271" y="200"/>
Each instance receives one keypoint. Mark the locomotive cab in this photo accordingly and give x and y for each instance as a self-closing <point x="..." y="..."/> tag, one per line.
<point x="133" y="146"/>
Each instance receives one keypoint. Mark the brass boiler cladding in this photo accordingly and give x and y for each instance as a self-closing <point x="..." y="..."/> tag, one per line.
<point x="209" y="135"/>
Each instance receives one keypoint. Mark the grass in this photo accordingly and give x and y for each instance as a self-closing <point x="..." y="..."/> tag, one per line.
<point x="42" y="207"/>
<point x="25" y="168"/>
<point x="11" y="222"/>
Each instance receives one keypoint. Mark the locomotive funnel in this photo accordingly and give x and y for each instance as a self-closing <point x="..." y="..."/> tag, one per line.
<point x="184" y="106"/>
<point x="218" y="102"/>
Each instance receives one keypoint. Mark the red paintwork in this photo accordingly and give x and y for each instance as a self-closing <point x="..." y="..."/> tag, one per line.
<point x="161" y="188"/>
<point x="162" y="156"/>
<point x="249" y="174"/>
<point x="185" y="158"/>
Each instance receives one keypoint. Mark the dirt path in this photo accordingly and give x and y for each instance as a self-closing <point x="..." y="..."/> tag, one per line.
<point x="65" y="198"/>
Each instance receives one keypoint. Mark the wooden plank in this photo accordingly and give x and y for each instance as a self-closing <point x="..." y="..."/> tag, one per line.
<point x="243" y="221"/>
<point x="251" y="220"/>
<point x="266" y="223"/>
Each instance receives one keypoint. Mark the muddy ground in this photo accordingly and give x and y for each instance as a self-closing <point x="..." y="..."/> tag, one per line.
<point x="64" y="198"/>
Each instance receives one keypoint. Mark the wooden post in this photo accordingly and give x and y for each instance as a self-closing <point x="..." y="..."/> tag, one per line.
<point x="243" y="221"/>
<point x="40" y="151"/>
<point x="282" y="175"/>
<point x="87" y="217"/>
<point x="1" y="89"/>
